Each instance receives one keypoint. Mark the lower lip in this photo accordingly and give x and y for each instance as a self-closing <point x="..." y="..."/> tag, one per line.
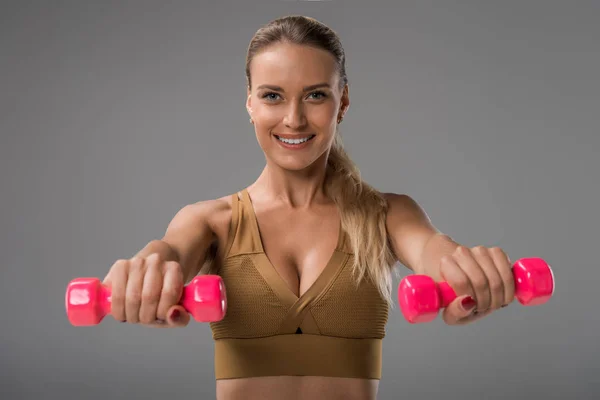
<point x="294" y="146"/>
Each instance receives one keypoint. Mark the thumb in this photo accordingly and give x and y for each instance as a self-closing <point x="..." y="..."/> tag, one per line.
<point x="178" y="317"/>
<point x="459" y="309"/>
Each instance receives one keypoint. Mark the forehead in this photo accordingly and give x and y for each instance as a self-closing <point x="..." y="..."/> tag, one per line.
<point x="289" y="65"/>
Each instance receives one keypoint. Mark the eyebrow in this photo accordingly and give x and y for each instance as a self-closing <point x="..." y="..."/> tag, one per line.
<point x="305" y="89"/>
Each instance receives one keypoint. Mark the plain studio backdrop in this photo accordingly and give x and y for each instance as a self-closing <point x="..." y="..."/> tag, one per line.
<point x="114" y="115"/>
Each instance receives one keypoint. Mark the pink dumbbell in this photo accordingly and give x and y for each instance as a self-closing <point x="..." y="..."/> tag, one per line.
<point x="421" y="298"/>
<point x="88" y="301"/>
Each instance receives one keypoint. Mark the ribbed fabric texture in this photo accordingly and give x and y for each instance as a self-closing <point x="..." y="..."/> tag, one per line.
<point x="351" y="311"/>
<point x="253" y="309"/>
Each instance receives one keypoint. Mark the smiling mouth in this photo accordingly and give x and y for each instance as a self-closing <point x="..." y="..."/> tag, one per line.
<point x="294" y="141"/>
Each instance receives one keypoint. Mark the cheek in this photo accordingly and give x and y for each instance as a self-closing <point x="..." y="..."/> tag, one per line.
<point x="266" y="117"/>
<point x="322" y="115"/>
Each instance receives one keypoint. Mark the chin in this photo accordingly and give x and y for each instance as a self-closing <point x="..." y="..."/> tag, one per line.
<point x="292" y="163"/>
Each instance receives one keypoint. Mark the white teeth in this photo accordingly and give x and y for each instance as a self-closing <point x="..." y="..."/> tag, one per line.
<point x="293" y="141"/>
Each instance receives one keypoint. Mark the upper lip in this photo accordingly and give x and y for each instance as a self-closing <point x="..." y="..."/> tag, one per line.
<point x="294" y="136"/>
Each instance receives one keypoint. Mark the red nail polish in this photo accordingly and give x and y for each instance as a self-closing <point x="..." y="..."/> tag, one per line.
<point x="175" y="315"/>
<point x="468" y="303"/>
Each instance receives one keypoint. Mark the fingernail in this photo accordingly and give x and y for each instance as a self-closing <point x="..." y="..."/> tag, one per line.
<point x="468" y="303"/>
<point x="504" y="305"/>
<point x="175" y="315"/>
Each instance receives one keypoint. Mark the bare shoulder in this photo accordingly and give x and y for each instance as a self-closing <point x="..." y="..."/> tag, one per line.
<point x="197" y="227"/>
<point x="212" y="214"/>
<point x="201" y="213"/>
<point x="402" y="205"/>
<point x="217" y="212"/>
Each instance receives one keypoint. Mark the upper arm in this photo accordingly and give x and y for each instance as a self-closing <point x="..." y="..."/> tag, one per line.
<point x="191" y="235"/>
<point x="409" y="229"/>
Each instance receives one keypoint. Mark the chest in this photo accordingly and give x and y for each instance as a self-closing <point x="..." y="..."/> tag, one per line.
<point x="299" y="244"/>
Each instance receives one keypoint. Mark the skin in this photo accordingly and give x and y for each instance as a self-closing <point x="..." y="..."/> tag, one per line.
<point x="299" y="226"/>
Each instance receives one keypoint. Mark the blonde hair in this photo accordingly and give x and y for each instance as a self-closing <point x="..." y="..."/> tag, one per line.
<point x="362" y="208"/>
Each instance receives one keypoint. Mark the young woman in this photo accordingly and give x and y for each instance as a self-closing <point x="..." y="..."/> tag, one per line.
<point x="306" y="251"/>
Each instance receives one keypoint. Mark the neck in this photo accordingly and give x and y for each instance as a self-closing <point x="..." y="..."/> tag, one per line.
<point x="296" y="189"/>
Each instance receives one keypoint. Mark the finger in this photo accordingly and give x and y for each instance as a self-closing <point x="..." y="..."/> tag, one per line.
<point x="133" y="292"/>
<point x="474" y="316"/>
<point x="504" y="267"/>
<point x="455" y="276"/>
<point x="460" y="308"/>
<point x="476" y="276"/>
<point x="178" y="317"/>
<point x="116" y="280"/>
<point x="495" y="282"/>
<point x="172" y="289"/>
<point x="151" y="289"/>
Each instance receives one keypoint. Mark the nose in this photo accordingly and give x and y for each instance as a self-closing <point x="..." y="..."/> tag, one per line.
<point x="295" y="117"/>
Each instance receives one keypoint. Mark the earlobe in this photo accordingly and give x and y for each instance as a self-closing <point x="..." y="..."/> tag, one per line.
<point x="249" y="103"/>
<point x="343" y="111"/>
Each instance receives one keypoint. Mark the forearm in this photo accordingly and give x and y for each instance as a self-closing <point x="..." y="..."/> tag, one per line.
<point x="435" y="248"/>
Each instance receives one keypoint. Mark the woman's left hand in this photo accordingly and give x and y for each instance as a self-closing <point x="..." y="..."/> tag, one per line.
<point x="482" y="279"/>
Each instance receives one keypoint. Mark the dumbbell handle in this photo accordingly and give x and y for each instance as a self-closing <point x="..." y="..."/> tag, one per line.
<point x="446" y="294"/>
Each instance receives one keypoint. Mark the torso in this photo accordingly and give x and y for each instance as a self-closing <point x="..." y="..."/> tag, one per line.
<point x="298" y="244"/>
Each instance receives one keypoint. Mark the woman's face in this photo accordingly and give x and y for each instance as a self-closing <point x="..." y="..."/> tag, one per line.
<point x="295" y="96"/>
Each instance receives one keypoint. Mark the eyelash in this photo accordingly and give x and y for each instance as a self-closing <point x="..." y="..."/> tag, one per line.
<point x="324" y="95"/>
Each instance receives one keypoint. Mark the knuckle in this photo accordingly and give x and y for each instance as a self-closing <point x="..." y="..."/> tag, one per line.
<point x="153" y="259"/>
<point x="480" y="250"/>
<point x="445" y="261"/>
<point x="121" y="263"/>
<point x="497" y="250"/>
<point x="175" y="269"/>
<point x="480" y="284"/>
<point x="136" y="262"/>
<point x="173" y="266"/>
<point x="461" y="251"/>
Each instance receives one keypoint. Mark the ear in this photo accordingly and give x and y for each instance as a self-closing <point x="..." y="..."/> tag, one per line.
<point x="249" y="102"/>
<point x="344" y="101"/>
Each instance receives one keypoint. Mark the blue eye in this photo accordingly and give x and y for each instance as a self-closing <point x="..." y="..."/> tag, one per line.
<point x="266" y="95"/>
<point x="323" y="95"/>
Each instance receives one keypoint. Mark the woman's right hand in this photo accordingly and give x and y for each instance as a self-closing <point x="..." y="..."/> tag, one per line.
<point x="147" y="291"/>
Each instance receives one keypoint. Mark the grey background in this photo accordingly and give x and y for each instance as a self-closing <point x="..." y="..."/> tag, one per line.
<point x="114" y="115"/>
